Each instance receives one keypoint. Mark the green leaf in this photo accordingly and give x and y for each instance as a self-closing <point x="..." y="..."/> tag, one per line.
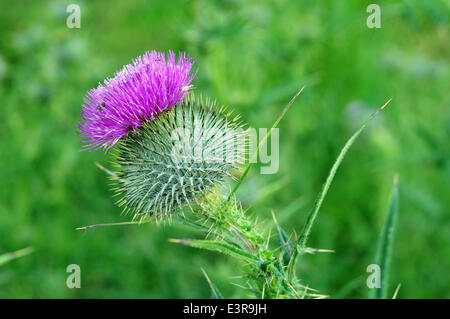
<point x="216" y="294"/>
<point x="313" y="214"/>
<point x="384" y="245"/>
<point x="285" y="244"/>
<point x="218" y="246"/>
<point x="291" y="264"/>
<point x="5" y="258"/>
<point x="261" y="143"/>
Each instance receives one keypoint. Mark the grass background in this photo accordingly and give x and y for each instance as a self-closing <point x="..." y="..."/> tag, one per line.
<point x="252" y="56"/>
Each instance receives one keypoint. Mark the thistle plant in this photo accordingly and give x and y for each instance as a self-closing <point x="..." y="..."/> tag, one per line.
<point x="172" y="152"/>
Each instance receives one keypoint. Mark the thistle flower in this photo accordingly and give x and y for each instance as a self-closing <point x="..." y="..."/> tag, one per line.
<point x="177" y="158"/>
<point x="137" y="93"/>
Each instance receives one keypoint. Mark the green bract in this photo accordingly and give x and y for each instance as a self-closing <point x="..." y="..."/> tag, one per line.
<point x="177" y="158"/>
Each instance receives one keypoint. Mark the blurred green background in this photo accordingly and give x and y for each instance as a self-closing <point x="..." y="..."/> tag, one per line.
<point x="253" y="56"/>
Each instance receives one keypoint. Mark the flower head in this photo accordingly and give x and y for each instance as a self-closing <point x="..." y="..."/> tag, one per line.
<point x="178" y="159"/>
<point x="137" y="93"/>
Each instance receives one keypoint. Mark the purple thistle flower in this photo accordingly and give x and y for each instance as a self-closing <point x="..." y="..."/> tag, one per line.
<point x="137" y="93"/>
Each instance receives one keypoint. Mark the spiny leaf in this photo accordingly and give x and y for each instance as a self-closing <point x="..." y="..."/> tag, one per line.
<point x="313" y="214"/>
<point x="218" y="246"/>
<point x="5" y="258"/>
<point x="247" y="169"/>
<point x="285" y="243"/>
<point x="291" y="264"/>
<point x="384" y="245"/>
<point x="216" y="294"/>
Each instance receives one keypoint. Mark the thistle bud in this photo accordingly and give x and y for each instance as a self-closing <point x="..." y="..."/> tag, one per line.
<point x="177" y="158"/>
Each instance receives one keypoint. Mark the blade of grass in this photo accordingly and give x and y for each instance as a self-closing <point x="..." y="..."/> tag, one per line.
<point x="261" y="143"/>
<point x="216" y="294"/>
<point x="113" y="224"/>
<point x="313" y="214"/>
<point x="5" y="258"/>
<point x="384" y="245"/>
<point x="396" y="291"/>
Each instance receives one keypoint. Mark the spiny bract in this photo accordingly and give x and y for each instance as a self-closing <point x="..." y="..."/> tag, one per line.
<point x="177" y="158"/>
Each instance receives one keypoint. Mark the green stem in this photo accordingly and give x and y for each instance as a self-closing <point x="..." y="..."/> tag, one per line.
<point x="313" y="214"/>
